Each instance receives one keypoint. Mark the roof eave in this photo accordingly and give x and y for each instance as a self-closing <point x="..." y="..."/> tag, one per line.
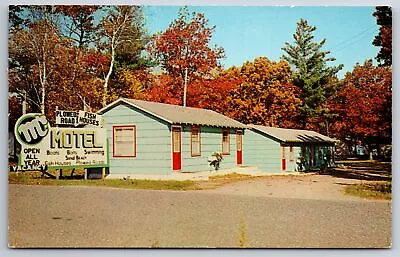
<point x="109" y="106"/>
<point x="210" y="125"/>
<point x="117" y="102"/>
<point x="268" y="134"/>
<point x="310" y="142"/>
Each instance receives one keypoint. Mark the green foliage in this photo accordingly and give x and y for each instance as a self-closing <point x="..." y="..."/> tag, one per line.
<point x="14" y="16"/>
<point x="383" y="40"/>
<point x="122" y="37"/>
<point x="215" y="160"/>
<point x="129" y="53"/>
<point x="311" y="72"/>
<point x="79" y="23"/>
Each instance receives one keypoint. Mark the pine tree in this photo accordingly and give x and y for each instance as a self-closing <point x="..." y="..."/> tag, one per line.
<point x="122" y="37"/>
<point x="383" y="40"/>
<point x="311" y="72"/>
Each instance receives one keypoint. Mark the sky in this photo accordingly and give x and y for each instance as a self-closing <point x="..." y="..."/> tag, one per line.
<point x="248" y="32"/>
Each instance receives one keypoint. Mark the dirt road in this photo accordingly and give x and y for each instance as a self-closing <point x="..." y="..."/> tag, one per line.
<point x="50" y="216"/>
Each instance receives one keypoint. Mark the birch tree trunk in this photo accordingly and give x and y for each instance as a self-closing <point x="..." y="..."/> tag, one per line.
<point x="44" y="79"/>
<point x="105" y="88"/>
<point x="116" y="28"/>
<point x="42" y="104"/>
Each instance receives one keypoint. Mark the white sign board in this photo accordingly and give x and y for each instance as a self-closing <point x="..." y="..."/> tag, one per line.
<point x="67" y="118"/>
<point x="75" y="118"/>
<point x="59" y="147"/>
<point x="87" y="118"/>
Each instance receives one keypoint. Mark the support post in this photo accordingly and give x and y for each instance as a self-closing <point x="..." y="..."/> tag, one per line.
<point x="24" y="104"/>
<point x="103" y="173"/>
<point x="85" y="176"/>
<point x="57" y="174"/>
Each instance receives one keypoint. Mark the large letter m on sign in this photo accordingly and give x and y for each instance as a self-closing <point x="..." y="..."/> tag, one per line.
<point x="31" y="131"/>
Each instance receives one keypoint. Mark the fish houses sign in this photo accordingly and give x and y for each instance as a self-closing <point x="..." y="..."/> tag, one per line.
<point x="76" y="118"/>
<point x="59" y="147"/>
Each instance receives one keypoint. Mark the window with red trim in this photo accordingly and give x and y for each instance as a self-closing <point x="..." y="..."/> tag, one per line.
<point x="195" y="141"/>
<point x="225" y="142"/>
<point x="124" y="141"/>
<point x="291" y="154"/>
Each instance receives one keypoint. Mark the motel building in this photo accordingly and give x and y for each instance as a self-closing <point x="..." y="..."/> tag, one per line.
<point x="155" y="139"/>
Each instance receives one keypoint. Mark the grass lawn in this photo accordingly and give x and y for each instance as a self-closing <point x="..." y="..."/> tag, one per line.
<point x="34" y="178"/>
<point x="376" y="190"/>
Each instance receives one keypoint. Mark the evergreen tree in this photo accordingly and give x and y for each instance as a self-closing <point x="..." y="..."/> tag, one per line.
<point x="311" y="72"/>
<point x="122" y="37"/>
<point x="383" y="40"/>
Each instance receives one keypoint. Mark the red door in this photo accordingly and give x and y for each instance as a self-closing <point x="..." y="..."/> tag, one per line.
<point x="239" y="142"/>
<point x="176" y="148"/>
<point x="283" y="159"/>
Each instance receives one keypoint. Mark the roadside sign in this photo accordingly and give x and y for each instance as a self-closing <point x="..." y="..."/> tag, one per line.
<point x="67" y="118"/>
<point x="76" y="118"/>
<point x="43" y="145"/>
<point x="87" y="118"/>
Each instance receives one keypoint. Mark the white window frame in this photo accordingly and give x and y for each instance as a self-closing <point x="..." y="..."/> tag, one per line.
<point x="194" y="140"/>
<point x="224" y="152"/>
<point x="132" y="154"/>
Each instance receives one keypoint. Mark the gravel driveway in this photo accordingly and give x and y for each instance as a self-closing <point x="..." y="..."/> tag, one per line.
<point x="50" y="216"/>
<point x="318" y="187"/>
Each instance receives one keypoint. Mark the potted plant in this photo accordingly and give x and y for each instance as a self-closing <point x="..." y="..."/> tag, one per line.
<point x="215" y="160"/>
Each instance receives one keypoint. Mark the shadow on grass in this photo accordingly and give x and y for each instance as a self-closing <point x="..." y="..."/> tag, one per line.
<point x="369" y="171"/>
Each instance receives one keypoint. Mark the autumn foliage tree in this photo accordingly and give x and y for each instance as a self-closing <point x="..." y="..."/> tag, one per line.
<point x="96" y="57"/>
<point x="14" y="112"/>
<point x="265" y="95"/>
<point x="164" y="89"/>
<point x="364" y="105"/>
<point x="130" y="83"/>
<point x="32" y="60"/>
<point x="185" y="47"/>
<point x="48" y="69"/>
<point x="212" y="93"/>
<point x="76" y="79"/>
